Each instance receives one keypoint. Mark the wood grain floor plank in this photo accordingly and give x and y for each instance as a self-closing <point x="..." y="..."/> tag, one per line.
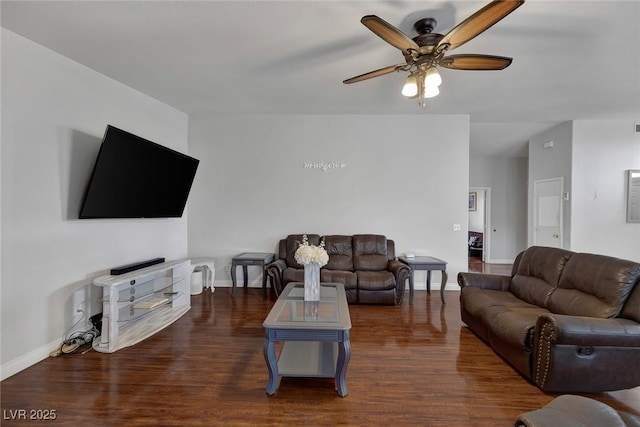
<point x="410" y="365"/>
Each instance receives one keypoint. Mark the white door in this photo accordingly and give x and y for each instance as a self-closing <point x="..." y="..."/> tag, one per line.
<point x="547" y="212"/>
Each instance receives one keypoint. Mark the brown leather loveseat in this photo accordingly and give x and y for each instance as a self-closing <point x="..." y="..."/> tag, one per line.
<point x="569" y="322"/>
<point x="364" y="263"/>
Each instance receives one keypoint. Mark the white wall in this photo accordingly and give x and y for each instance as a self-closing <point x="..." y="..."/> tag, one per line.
<point x="593" y="157"/>
<point x="545" y="163"/>
<point x="54" y="113"/>
<point x="507" y="179"/>
<point x="405" y="177"/>
<point x="602" y="153"/>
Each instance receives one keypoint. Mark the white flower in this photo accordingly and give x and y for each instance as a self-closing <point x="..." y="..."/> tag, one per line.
<point x="307" y="254"/>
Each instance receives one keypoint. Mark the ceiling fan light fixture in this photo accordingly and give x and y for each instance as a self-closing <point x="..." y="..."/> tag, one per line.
<point x="432" y="77"/>
<point x="431" y="91"/>
<point x="410" y="88"/>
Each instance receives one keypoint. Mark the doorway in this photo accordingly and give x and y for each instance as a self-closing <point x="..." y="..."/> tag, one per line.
<point x="479" y="218"/>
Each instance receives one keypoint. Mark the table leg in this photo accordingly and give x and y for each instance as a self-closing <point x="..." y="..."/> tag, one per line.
<point x="428" y="281"/>
<point x="269" y="351"/>
<point x="264" y="282"/>
<point x="245" y="275"/>
<point x="344" y="354"/>
<point x="205" y="277"/>
<point x="442" y="285"/>
<point x="411" y="288"/>
<point x="233" y="279"/>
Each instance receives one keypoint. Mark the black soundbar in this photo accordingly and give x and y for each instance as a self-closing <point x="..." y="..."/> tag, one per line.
<point x="136" y="266"/>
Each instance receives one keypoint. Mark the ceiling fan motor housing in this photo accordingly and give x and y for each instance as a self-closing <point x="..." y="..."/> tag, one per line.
<point x="425" y="26"/>
<point x="426" y="36"/>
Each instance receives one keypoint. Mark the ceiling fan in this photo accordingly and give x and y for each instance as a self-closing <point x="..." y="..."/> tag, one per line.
<point x="425" y="52"/>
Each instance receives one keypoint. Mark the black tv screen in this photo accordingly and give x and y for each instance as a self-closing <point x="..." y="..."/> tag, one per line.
<point x="137" y="178"/>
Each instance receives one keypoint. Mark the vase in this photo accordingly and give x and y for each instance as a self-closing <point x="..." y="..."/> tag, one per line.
<point x="312" y="282"/>
<point x="311" y="310"/>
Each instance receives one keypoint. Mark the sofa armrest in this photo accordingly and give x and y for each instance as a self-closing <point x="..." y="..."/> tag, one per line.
<point x="588" y="331"/>
<point x="401" y="272"/>
<point x="574" y="354"/>
<point x="484" y="281"/>
<point x="274" y="270"/>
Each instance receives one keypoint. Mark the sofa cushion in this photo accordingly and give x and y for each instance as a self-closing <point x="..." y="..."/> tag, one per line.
<point x="369" y="252"/>
<point x="340" y="250"/>
<point x="594" y="286"/>
<point x="348" y="278"/>
<point x="631" y="309"/>
<point x="538" y="273"/>
<point x="292" y="242"/>
<point x="506" y="316"/>
<point x="531" y="289"/>
<point x="376" y="280"/>
<point x="544" y="263"/>
<point x="476" y="300"/>
<point x="513" y="325"/>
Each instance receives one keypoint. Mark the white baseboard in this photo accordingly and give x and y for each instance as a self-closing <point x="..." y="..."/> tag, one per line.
<point x="500" y="261"/>
<point x="240" y="284"/>
<point x="23" y="362"/>
<point x="434" y="286"/>
<point x="417" y="285"/>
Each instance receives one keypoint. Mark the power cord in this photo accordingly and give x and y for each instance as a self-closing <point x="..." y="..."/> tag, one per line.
<point x="77" y="339"/>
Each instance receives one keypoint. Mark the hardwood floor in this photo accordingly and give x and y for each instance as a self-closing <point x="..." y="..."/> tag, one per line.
<point x="477" y="266"/>
<point x="410" y="365"/>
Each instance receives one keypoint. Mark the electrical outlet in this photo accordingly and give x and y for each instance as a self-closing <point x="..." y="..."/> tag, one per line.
<point x="78" y="306"/>
<point x="227" y="268"/>
<point x="456" y="227"/>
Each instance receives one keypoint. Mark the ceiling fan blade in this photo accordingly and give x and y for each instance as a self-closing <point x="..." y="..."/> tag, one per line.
<point x="478" y="23"/>
<point x="376" y="73"/>
<point x="389" y="33"/>
<point x="475" y="62"/>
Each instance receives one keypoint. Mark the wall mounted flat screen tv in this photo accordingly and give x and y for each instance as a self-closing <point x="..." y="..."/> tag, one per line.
<point x="137" y="178"/>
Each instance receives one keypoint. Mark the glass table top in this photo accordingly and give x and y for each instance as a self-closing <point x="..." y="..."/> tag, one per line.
<point x="291" y="311"/>
<point x="308" y="311"/>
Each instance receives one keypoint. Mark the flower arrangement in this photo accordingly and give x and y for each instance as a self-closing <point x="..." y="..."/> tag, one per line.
<point x="307" y="254"/>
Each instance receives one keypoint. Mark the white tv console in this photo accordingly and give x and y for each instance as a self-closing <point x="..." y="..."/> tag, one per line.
<point x="138" y="304"/>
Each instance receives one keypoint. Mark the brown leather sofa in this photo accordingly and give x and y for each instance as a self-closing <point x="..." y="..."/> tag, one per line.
<point x="364" y="263"/>
<point x="569" y="322"/>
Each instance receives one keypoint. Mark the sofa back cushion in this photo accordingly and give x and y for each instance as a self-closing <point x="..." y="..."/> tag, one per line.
<point x="340" y="251"/>
<point x="537" y="273"/>
<point x="370" y="252"/>
<point x="291" y="244"/>
<point x="594" y="286"/>
<point x="391" y="250"/>
<point x="631" y="309"/>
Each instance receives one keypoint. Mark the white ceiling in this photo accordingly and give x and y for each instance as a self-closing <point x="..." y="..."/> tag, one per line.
<point x="572" y="59"/>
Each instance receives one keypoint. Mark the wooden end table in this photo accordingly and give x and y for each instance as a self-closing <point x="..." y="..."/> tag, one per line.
<point x="426" y="263"/>
<point x="250" y="258"/>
